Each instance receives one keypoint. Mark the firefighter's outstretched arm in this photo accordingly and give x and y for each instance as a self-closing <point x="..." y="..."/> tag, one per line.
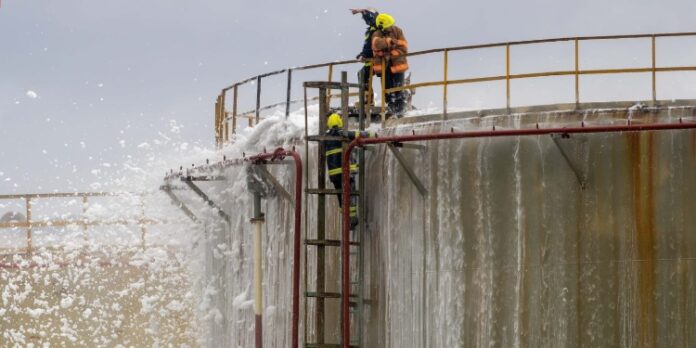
<point x="358" y="134"/>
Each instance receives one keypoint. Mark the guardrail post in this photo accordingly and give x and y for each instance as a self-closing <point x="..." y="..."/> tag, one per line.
<point x="223" y="119"/>
<point x="84" y="218"/>
<point x="258" y="99"/>
<point x="225" y="130"/>
<point x="328" y="91"/>
<point x="654" y="71"/>
<point x="444" y="86"/>
<point x="220" y="120"/>
<point x="234" y="110"/>
<point x="382" y="79"/>
<point x="361" y="100"/>
<point x="507" y="76"/>
<point x="370" y="91"/>
<point x="344" y="97"/>
<point x="143" y="230"/>
<point x="577" y="73"/>
<point x="289" y="94"/>
<point x="29" y="229"/>
<point x="217" y="122"/>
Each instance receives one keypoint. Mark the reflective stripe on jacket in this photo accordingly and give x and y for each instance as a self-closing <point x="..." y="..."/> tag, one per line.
<point x="392" y="45"/>
<point x="334" y="149"/>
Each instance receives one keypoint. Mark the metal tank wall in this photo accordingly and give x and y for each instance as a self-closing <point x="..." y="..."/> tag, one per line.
<point x="229" y="265"/>
<point x="225" y="288"/>
<point x="506" y="249"/>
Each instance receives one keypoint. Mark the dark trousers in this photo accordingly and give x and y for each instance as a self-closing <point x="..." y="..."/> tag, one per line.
<point x="395" y="100"/>
<point x="366" y="71"/>
<point x="365" y="76"/>
<point x="337" y="183"/>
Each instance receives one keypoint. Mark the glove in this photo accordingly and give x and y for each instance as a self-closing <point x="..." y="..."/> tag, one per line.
<point x="359" y="57"/>
<point x="381" y="44"/>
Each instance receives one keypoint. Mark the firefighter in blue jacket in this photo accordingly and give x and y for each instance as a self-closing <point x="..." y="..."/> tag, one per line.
<point x="334" y="159"/>
<point x="369" y="15"/>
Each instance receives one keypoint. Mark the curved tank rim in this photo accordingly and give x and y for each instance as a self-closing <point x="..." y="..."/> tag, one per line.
<point x="563" y="108"/>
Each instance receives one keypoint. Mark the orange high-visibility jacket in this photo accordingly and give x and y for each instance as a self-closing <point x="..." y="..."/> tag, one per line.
<point x="392" y="45"/>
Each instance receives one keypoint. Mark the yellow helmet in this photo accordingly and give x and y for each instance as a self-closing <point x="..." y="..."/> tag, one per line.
<point x="384" y="21"/>
<point x="334" y="121"/>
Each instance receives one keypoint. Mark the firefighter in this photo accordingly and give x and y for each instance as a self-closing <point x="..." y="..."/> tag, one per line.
<point x="369" y="15"/>
<point x="334" y="159"/>
<point x="388" y="42"/>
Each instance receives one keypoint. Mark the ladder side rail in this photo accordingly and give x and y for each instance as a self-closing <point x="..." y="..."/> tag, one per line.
<point x="362" y="213"/>
<point x="321" y="219"/>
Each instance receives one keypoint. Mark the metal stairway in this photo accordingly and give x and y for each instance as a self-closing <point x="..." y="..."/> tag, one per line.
<point x="319" y="241"/>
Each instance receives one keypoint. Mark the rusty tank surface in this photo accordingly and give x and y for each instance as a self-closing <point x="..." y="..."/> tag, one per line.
<point x="526" y="241"/>
<point x="542" y="241"/>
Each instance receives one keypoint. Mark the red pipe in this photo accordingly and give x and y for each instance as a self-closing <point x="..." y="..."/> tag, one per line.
<point x="258" y="322"/>
<point x="280" y="154"/>
<point x="345" y="245"/>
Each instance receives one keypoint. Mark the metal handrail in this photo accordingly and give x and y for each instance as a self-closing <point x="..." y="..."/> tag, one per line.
<point x="58" y="195"/>
<point x="29" y="223"/>
<point x="221" y="119"/>
<point x="249" y="113"/>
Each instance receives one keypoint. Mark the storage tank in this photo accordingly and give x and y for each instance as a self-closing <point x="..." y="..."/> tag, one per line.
<point x="541" y="241"/>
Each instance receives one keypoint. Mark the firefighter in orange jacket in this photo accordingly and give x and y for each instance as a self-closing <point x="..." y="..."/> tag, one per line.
<point x="389" y="42"/>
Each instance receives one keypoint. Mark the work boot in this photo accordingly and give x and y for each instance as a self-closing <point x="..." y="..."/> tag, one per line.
<point x="388" y="112"/>
<point x="396" y="109"/>
<point x="353" y="222"/>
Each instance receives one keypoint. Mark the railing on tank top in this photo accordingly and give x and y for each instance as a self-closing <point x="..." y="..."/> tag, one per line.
<point x="29" y="222"/>
<point x="226" y="120"/>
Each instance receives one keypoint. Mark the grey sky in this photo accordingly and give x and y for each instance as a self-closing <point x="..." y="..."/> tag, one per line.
<point x="112" y="74"/>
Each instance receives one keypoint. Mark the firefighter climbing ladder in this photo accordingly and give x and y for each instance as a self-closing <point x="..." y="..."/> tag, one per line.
<point x="319" y="294"/>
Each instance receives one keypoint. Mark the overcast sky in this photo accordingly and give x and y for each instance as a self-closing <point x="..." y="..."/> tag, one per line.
<point x="84" y="82"/>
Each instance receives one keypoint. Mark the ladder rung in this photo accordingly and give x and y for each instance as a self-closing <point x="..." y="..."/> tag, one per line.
<point x="336" y="295"/>
<point x="326" y="345"/>
<point x="323" y="294"/>
<point x="328" y="242"/>
<point x="326" y="294"/>
<point x="328" y="192"/>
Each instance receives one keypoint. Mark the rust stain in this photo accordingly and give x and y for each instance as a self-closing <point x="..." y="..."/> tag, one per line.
<point x="692" y="137"/>
<point x="643" y="175"/>
<point x="685" y="307"/>
<point x="524" y="291"/>
<point x="579" y="230"/>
